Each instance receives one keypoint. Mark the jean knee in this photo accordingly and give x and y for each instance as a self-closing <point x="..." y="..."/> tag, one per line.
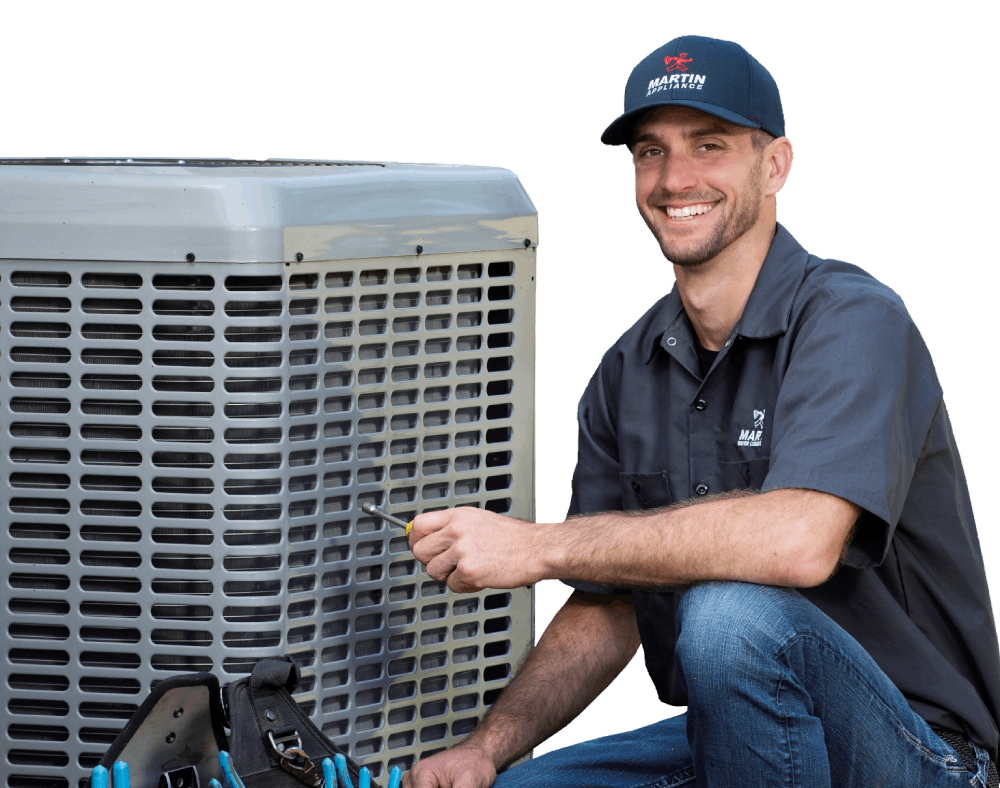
<point x="723" y="625"/>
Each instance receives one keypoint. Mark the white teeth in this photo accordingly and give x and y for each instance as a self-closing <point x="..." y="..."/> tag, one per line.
<point x="689" y="210"/>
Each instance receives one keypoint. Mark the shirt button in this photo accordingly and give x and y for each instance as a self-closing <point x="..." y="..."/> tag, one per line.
<point x="701" y="489"/>
<point x="700" y="405"/>
<point x="635" y="486"/>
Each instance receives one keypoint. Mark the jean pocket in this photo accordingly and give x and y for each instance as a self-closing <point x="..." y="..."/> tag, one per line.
<point x="644" y="490"/>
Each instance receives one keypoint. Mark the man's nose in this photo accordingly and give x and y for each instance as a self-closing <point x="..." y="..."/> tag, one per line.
<point x="678" y="174"/>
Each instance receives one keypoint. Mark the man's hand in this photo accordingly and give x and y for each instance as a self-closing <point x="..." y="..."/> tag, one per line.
<point x="459" y="767"/>
<point x="472" y="549"/>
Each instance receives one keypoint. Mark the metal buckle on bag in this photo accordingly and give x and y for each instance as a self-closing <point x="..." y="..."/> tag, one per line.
<point x="288" y="747"/>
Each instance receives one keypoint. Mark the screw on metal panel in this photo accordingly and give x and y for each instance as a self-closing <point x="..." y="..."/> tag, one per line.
<point x="299" y="256"/>
<point x="171" y="737"/>
<point x="420" y="249"/>
<point x="270" y="715"/>
<point x="190" y="257"/>
<point x="178" y="711"/>
<point x="527" y="242"/>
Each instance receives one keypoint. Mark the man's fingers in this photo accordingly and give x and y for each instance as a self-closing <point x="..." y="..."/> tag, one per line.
<point x="431" y="546"/>
<point x="428" y="523"/>
<point x="441" y="566"/>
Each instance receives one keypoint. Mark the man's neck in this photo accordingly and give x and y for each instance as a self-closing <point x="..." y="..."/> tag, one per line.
<point x="715" y="292"/>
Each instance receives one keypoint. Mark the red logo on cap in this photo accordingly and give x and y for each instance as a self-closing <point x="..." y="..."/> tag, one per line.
<point x="677" y="63"/>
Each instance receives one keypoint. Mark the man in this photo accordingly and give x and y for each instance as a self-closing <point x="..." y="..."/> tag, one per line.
<point x="822" y="607"/>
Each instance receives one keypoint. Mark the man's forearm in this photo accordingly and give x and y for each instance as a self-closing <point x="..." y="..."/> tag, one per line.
<point x="784" y="537"/>
<point x="586" y="646"/>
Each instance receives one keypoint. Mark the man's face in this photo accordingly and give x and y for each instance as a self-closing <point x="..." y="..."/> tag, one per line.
<point x="698" y="182"/>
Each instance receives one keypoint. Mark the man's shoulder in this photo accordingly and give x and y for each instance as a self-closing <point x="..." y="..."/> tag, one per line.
<point x="835" y="284"/>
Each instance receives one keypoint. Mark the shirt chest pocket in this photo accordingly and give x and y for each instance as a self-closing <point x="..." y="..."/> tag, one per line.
<point x="745" y="474"/>
<point x="644" y="490"/>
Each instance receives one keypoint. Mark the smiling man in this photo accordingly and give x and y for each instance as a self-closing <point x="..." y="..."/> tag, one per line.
<point x="768" y="497"/>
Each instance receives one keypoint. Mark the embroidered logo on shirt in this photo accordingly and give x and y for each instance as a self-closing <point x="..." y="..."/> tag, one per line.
<point x="752" y="437"/>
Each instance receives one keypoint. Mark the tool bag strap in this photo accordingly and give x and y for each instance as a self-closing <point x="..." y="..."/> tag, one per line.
<point x="273" y="742"/>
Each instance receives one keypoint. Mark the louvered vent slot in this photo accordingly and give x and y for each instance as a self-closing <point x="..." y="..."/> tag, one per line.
<point x="100" y="382"/>
<point x="183" y="536"/>
<point x="40" y="380"/>
<point x="122" y="356"/>
<point x="110" y="407"/>
<point x="109" y="559"/>
<point x="182" y="561"/>
<point x="97" y="457"/>
<point x="255" y="334"/>
<point x="40" y="355"/>
<point x="252" y="538"/>
<point x="38" y="631"/>
<point x="183" y="510"/>
<point x="253" y="435"/>
<point x="183" y="434"/>
<point x="252" y="563"/>
<point x="264" y="639"/>
<point x="253" y="486"/>
<point x="253" y="308"/>
<point x="252" y="615"/>
<point x="109" y="685"/>
<point x="183" y="307"/>
<point x="183" y="358"/>
<point x="186" y="410"/>
<point x="183" y="282"/>
<point x="253" y="410"/>
<point x="114" y="331"/>
<point x="111" y="483"/>
<point x="112" y="281"/>
<point x="185" y="459"/>
<point x="183" y="333"/>
<point x="39" y="481"/>
<point x="108" y="659"/>
<point x="35" y="582"/>
<point x="254" y="283"/>
<point x="110" y="533"/>
<point x="22" y="429"/>
<point x="107" y="711"/>
<point x="111" y="585"/>
<point x="241" y="588"/>
<point x="39" y="531"/>
<point x="110" y="609"/>
<point x="50" y="506"/>
<point x="183" y="587"/>
<point x="184" y="486"/>
<point x="252" y="385"/>
<point x="244" y="462"/>
<point x="250" y="359"/>
<point x="41" y="330"/>
<point x="39" y="405"/>
<point x="112" y="306"/>
<point x="177" y="663"/>
<point x="189" y="383"/>
<point x="39" y="304"/>
<point x="100" y="634"/>
<point x="170" y="612"/>
<point x="111" y="508"/>
<point x="40" y="279"/>
<point x="181" y="637"/>
<point x="110" y="432"/>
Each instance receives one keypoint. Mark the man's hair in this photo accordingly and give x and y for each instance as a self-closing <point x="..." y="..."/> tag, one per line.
<point x="759" y="138"/>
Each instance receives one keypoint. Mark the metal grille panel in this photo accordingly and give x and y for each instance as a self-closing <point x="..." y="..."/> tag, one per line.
<point x="186" y="450"/>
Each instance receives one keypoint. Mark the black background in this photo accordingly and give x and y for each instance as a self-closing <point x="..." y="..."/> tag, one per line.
<point x="870" y="144"/>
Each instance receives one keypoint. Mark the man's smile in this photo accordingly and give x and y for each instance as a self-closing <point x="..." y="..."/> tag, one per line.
<point x="687" y="211"/>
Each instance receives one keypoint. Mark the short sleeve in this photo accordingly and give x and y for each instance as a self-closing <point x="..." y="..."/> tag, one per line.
<point x="854" y="407"/>
<point x="595" y="479"/>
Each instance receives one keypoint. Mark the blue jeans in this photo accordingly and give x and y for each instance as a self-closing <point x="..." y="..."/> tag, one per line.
<point x="779" y="695"/>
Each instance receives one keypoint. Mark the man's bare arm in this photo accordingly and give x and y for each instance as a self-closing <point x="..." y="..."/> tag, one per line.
<point x="785" y="537"/>
<point x="588" y="643"/>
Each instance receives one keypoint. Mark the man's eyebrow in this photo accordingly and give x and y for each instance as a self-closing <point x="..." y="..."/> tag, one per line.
<point x="715" y="130"/>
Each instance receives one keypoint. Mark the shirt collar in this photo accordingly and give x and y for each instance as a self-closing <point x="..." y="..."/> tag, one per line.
<point x="769" y="307"/>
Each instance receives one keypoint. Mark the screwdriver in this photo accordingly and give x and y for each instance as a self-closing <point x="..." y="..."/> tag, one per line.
<point x="368" y="508"/>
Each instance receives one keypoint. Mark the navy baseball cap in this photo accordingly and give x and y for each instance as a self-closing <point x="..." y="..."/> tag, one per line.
<point x="717" y="77"/>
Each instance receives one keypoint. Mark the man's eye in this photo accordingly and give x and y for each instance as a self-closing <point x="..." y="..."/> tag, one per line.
<point x="649" y="152"/>
<point x="709" y="146"/>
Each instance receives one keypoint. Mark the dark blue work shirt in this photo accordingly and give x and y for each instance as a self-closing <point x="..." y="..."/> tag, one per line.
<point x="824" y="384"/>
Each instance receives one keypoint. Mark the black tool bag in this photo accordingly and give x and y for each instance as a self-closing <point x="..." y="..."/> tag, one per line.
<point x="262" y="711"/>
<point x="174" y="738"/>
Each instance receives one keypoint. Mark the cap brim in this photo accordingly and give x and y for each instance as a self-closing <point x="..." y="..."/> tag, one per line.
<point x="620" y="132"/>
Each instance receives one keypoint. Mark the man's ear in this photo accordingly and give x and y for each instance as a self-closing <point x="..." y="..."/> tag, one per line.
<point x="777" y="164"/>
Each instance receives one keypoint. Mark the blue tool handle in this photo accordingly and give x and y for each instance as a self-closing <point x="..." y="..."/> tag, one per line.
<point x="395" y="777"/>
<point x="119" y="774"/>
<point x="99" y="777"/>
<point x="229" y="771"/>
